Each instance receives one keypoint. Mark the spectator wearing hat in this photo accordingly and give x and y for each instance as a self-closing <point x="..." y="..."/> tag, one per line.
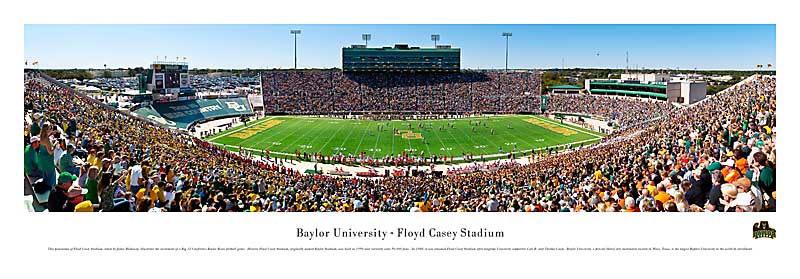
<point x="31" y="154"/>
<point x="35" y="123"/>
<point x="744" y="185"/>
<point x="75" y="195"/>
<point x="84" y="206"/>
<point x="65" y="163"/>
<point x="730" y="171"/>
<point x="714" y="166"/>
<point x="58" y="150"/>
<point x="64" y="193"/>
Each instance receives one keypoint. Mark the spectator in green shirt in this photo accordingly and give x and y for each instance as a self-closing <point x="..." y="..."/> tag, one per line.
<point x="35" y="129"/>
<point x="31" y="154"/>
<point x="91" y="184"/>
<point x="65" y="163"/>
<point x="764" y="174"/>
<point x="45" y="160"/>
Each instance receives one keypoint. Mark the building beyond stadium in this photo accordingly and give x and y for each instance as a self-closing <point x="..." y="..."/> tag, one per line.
<point x="684" y="92"/>
<point x="401" y="58"/>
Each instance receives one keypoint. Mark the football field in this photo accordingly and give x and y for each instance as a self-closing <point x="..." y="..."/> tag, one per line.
<point x="480" y="135"/>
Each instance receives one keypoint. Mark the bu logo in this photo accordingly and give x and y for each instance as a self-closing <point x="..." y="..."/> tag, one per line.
<point x="236" y="106"/>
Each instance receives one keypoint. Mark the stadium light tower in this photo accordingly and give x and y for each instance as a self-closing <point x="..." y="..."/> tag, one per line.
<point x="435" y="38"/>
<point x="506" y="34"/>
<point x="366" y="38"/>
<point x="295" y="32"/>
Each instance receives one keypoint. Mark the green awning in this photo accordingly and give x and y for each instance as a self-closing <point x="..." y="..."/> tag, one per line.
<point x="566" y="86"/>
<point x="660" y="86"/>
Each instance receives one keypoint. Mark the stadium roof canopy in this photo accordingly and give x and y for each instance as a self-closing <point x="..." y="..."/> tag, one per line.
<point x="631" y="93"/>
<point x="660" y="86"/>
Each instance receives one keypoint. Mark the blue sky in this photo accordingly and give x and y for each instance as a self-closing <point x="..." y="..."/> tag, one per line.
<point x="482" y="46"/>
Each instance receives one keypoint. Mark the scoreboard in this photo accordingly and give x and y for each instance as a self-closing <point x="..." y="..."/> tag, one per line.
<point x="169" y="78"/>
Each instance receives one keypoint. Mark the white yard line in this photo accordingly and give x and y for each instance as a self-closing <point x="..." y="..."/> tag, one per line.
<point x="334" y="135"/>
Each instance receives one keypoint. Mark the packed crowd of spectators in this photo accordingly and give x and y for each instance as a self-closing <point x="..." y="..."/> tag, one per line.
<point x="718" y="155"/>
<point x="626" y="111"/>
<point x="321" y="92"/>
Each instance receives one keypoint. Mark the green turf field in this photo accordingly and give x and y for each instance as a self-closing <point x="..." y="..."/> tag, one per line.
<point x="379" y="138"/>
